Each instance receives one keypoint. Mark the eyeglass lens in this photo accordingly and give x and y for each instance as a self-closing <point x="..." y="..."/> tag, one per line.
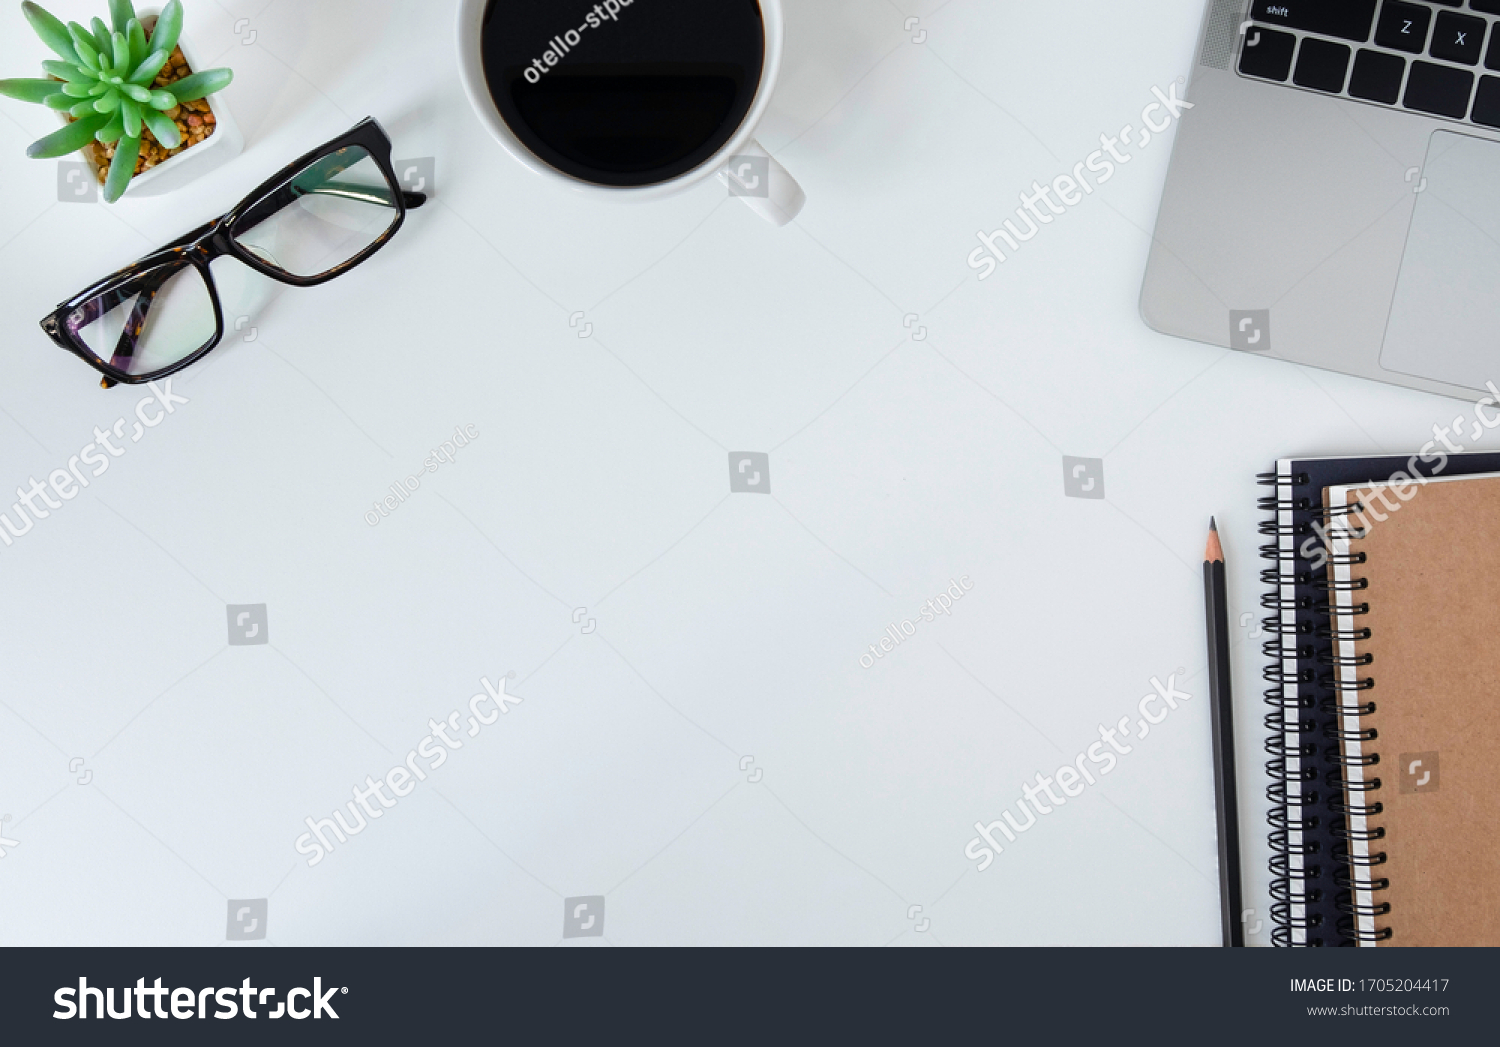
<point x="327" y="214"/>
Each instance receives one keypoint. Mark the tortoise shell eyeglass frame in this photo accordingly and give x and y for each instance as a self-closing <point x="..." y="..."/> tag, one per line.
<point x="144" y="278"/>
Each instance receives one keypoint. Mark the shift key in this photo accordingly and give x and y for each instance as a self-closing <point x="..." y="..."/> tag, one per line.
<point x="1346" y="19"/>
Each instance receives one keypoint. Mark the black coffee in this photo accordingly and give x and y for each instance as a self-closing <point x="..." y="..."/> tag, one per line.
<point x="623" y="92"/>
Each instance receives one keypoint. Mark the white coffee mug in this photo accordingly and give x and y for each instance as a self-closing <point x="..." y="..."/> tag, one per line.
<point x="778" y="199"/>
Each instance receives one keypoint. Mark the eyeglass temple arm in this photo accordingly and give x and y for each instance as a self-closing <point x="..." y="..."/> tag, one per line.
<point x="370" y="194"/>
<point x="148" y="286"/>
<point x="91" y="310"/>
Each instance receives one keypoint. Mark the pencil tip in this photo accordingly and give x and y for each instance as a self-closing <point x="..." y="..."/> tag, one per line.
<point x="1213" y="524"/>
<point x="1215" y="551"/>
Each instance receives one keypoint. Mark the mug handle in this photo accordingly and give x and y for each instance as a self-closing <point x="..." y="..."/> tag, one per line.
<point x="766" y="187"/>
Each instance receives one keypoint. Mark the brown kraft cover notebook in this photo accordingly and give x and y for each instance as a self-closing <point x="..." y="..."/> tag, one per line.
<point x="1416" y="619"/>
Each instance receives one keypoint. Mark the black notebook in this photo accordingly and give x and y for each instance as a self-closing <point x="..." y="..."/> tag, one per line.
<point x="1313" y="884"/>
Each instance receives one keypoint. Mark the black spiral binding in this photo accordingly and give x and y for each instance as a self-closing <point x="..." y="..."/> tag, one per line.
<point x="1314" y="873"/>
<point x="1286" y="724"/>
<point x="1351" y="798"/>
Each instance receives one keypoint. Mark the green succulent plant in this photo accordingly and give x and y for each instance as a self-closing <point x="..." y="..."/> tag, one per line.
<point x="104" y="82"/>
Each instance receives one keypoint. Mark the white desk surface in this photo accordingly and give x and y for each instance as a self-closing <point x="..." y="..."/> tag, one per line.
<point x="711" y="757"/>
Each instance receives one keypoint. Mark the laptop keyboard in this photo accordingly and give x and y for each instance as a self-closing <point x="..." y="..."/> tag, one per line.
<point x="1440" y="58"/>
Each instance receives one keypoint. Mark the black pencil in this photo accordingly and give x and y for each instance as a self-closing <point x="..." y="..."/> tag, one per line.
<point x="1217" y="606"/>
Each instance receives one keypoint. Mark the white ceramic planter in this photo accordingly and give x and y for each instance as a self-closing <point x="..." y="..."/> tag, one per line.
<point x="213" y="152"/>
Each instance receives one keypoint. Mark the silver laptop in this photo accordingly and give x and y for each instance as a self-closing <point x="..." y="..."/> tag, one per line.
<point x="1334" y="193"/>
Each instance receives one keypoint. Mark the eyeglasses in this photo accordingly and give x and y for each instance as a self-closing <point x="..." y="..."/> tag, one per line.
<point x="315" y="220"/>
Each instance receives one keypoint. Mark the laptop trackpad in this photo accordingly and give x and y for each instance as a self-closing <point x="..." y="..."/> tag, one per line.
<point x="1445" y="319"/>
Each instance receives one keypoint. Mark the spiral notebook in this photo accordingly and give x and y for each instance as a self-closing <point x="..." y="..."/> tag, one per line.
<point x="1313" y="882"/>
<point x="1415" y="617"/>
